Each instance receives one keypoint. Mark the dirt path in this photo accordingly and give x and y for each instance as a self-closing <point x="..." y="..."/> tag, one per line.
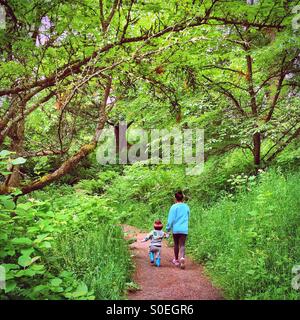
<point x="167" y="282"/>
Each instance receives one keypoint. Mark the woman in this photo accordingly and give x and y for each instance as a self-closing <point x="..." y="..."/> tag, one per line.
<point x="178" y="222"/>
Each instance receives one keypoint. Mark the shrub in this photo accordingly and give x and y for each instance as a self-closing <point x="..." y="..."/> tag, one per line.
<point x="98" y="185"/>
<point x="251" y="243"/>
<point x="35" y="233"/>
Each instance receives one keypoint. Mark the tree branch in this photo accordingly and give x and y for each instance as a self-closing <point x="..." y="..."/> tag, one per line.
<point x="228" y="94"/>
<point x="284" y="145"/>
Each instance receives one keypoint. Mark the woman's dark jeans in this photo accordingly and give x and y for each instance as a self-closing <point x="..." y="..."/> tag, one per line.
<point x="179" y="244"/>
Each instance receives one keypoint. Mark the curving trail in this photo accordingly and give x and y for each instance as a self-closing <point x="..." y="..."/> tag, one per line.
<point x="167" y="282"/>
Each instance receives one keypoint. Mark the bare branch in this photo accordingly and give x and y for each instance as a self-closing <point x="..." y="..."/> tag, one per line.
<point x="283" y="145"/>
<point x="42" y="153"/>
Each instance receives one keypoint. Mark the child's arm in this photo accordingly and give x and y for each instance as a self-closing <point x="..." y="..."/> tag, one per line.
<point x="148" y="237"/>
<point x="166" y="235"/>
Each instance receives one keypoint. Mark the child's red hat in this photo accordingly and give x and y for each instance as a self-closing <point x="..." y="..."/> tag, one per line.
<point x="158" y="225"/>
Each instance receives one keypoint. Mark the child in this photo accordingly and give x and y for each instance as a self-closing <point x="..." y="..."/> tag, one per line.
<point x="156" y="237"/>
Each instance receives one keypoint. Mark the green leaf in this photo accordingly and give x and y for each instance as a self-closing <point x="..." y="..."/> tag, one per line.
<point x="38" y="267"/>
<point x="41" y="237"/>
<point x="3" y="236"/>
<point x="46" y="245"/>
<point x="25" y="273"/>
<point x="56" y="282"/>
<point x="40" y="288"/>
<point x="24" y="206"/>
<point x="24" y="261"/>
<point x="81" y="290"/>
<point x="10" y="286"/>
<point x="5" y="153"/>
<point x="8" y="204"/>
<point x="34" y="259"/>
<point x="5" y="173"/>
<point x="22" y="241"/>
<point x="17" y="192"/>
<point x="57" y="289"/>
<point x="27" y="252"/>
<point x="10" y="266"/>
<point x="17" y="161"/>
<point x="66" y="274"/>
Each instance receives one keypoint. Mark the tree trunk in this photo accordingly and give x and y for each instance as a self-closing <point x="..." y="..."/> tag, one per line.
<point x="62" y="170"/>
<point x="16" y="135"/>
<point x="120" y="130"/>
<point x="257" y="149"/>
<point x="57" y="174"/>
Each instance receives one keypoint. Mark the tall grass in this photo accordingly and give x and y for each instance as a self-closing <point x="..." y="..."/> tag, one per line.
<point x="251" y="243"/>
<point x="99" y="257"/>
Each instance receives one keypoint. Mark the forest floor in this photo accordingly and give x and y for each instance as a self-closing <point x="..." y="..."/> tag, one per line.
<point x="167" y="282"/>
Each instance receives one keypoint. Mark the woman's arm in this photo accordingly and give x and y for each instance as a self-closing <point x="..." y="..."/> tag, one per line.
<point x="170" y="219"/>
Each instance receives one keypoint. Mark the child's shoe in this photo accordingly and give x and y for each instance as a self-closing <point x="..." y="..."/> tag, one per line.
<point x="151" y="255"/>
<point x="176" y="262"/>
<point x="157" y="261"/>
<point x="182" y="263"/>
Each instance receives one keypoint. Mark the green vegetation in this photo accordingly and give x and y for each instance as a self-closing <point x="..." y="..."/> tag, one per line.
<point x="250" y="243"/>
<point x="247" y="234"/>
<point x="244" y="228"/>
<point x="62" y="245"/>
<point x="229" y="67"/>
<point x="99" y="257"/>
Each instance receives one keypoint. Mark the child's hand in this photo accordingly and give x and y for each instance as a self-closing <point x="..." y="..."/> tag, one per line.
<point x="143" y="240"/>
